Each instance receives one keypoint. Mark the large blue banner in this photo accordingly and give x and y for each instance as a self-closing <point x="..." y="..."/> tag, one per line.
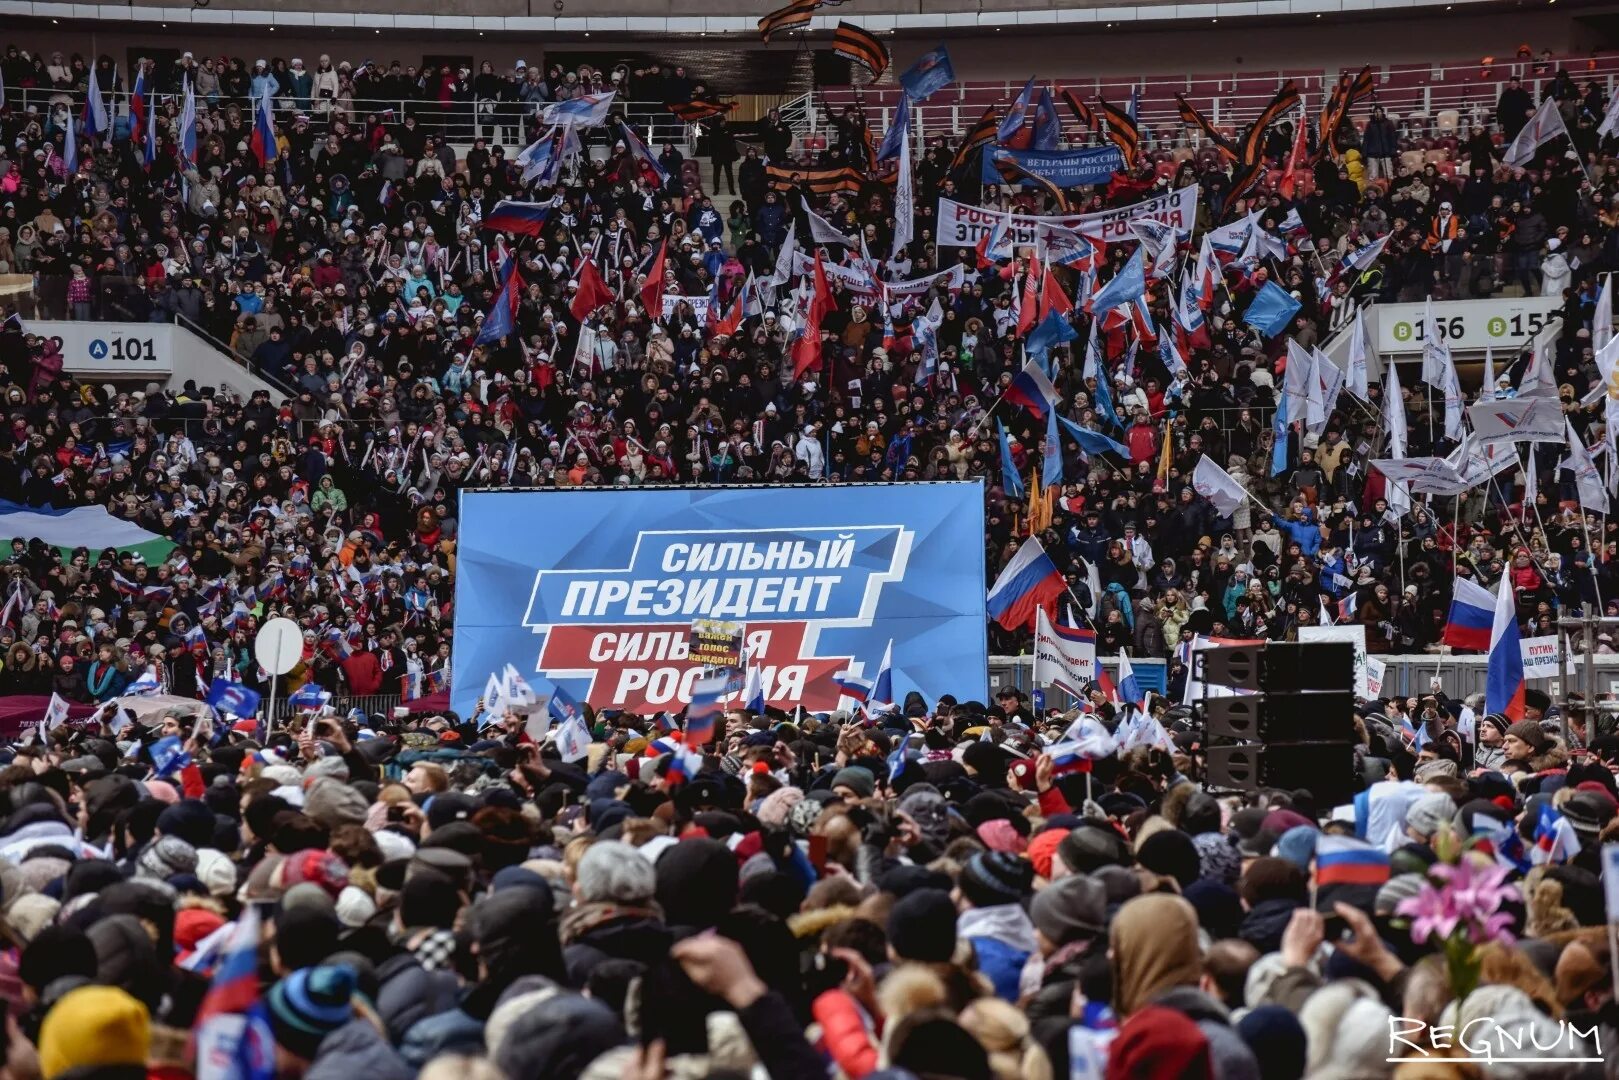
<point x="596" y="591"/>
<point x="1065" y="168"/>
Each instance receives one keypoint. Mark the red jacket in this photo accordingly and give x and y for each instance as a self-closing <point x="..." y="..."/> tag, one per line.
<point x="363" y="673"/>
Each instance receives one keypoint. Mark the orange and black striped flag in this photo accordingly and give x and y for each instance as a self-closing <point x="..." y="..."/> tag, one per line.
<point x="1343" y="97"/>
<point x="1253" y="140"/>
<point x="797" y="13"/>
<point x="982" y="132"/>
<point x="693" y="111"/>
<point x="1192" y="118"/>
<point x="862" y="47"/>
<point x="1015" y="174"/>
<point x="815" y="181"/>
<point x="1082" y="112"/>
<point x="1121" y="130"/>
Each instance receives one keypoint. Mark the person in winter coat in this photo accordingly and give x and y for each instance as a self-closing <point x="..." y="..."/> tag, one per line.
<point x="992" y="919"/>
<point x="1555" y="273"/>
<point x="615" y="917"/>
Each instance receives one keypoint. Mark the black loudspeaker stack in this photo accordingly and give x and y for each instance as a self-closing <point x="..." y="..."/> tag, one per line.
<point x="1293" y="728"/>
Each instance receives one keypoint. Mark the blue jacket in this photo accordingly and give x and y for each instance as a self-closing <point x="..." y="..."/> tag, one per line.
<point x="1306" y="533"/>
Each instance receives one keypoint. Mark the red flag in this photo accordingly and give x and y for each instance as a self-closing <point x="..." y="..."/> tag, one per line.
<point x="652" y="291"/>
<point x="1052" y="298"/>
<point x="593" y="292"/>
<point x="1295" y="157"/>
<point x="807" y="349"/>
<point x="1029" y="310"/>
<point x="732" y="322"/>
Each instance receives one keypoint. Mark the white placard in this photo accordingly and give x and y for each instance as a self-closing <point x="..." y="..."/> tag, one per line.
<point x="1539" y="657"/>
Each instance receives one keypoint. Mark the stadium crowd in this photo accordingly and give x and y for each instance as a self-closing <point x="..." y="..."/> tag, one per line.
<point x="946" y="891"/>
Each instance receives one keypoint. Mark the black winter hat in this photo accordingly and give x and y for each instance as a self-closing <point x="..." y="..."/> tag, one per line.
<point x="922" y="927"/>
<point x="991" y="878"/>
<point x="1172" y="853"/>
<point x="697" y="882"/>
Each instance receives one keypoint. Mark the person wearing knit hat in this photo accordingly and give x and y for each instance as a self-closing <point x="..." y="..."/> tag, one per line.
<point x="854" y="782"/>
<point x="1433" y="770"/>
<point x="1525" y="740"/>
<point x="1427" y="814"/>
<point x="1042" y="851"/>
<point x="309" y="1005"/>
<point x="1277" y="1039"/>
<point x="774" y="808"/>
<point x="333" y="803"/>
<point x="1155" y="1042"/>
<point x="1170" y="853"/>
<point x="922" y="927"/>
<point x="1091" y="847"/>
<point x="315" y="867"/>
<point x="989" y="891"/>
<point x="165" y="857"/>
<point x="1070" y="910"/>
<point x="1397" y="888"/>
<point x="99" y="1028"/>
<point x="1587" y="811"/>
<point x="1001" y="835"/>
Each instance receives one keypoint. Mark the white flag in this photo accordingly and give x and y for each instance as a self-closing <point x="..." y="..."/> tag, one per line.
<point x="1515" y="420"/>
<point x="1592" y="492"/>
<point x="904" y="199"/>
<point x="1327" y="381"/>
<point x="1399" y="499"/>
<point x="55" y="713"/>
<point x="823" y="231"/>
<point x="1360" y="349"/>
<point x="573" y="739"/>
<point x="784" y="258"/>
<point x="1217" y="486"/>
<point x="1602" y="319"/>
<point x="1452" y="387"/>
<point x="1435" y="353"/>
<point x="1546" y="125"/>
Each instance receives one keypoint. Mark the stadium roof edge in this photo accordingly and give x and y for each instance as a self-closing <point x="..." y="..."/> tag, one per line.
<point x="934" y="22"/>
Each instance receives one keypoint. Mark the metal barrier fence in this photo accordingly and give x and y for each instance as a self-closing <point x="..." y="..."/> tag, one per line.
<point x="1404" y="676"/>
<point x="507" y="123"/>
<point x="368" y="704"/>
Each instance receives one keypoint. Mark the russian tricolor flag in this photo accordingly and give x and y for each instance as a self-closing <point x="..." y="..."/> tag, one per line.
<point x="263" y="140"/>
<point x="1344" y="860"/>
<point x="1503" y="689"/>
<point x="703" y="714"/>
<point x="1031" y="581"/>
<point x="1031" y="389"/>
<point x="523" y="218"/>
<point x="882" y="687"/>
<point x="852" y="686"/>
<point x="1130" y="692"/>
<point x="1472" y="613"/>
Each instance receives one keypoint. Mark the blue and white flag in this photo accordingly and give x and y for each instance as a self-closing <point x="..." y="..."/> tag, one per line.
<point x="573" y="739"/>
<point x="233" y="698"/>
<point x="309" y="696"/>
<point x="167" y="756"/>
<point x="96" y="120"/>
<point x="931" y="73"/>
<point x="589" y="110"/>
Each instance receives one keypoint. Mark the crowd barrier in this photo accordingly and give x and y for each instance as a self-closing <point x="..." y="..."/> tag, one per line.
<point x="1404" y="675"/>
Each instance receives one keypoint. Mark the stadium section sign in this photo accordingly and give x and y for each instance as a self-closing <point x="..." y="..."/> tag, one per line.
<point x="598" y="590"/>
<point x="1464" y="324"/>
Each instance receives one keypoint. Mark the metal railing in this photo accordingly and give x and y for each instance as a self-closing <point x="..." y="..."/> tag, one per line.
<point x="247" y="363"/>
<point x="505" y="123"/>
<point x="1415" y="96"/>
